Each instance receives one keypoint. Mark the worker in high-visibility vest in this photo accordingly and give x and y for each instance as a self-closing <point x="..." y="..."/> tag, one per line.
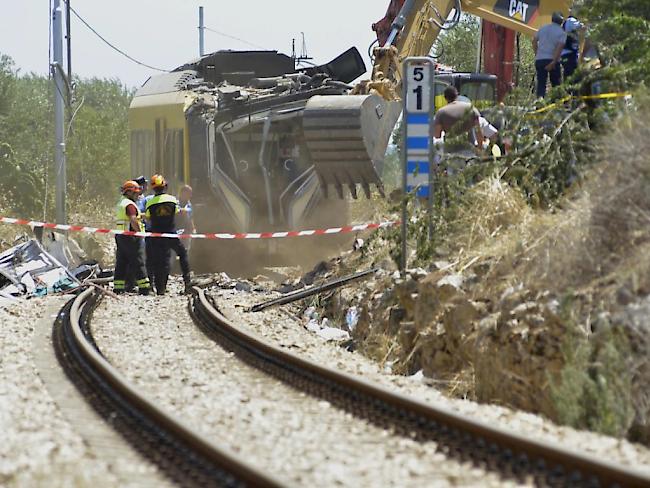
<point x="161" y="215"/>
<point x="129" y="248"/>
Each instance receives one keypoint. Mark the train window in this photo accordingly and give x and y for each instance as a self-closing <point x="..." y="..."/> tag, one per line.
<point x="159" y="147"/>
<point x="173" y="156"/>
<point x="212" y="154"/>
<point x="141" y="152"/>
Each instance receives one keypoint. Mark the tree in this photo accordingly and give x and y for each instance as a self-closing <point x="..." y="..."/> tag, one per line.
<point x="98" y="144"/>
<point x="621" y="30"/>
<point x="457" y="47"/>
<point x="96" y="148"/>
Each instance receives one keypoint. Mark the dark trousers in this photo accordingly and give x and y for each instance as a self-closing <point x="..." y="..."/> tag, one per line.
<point x="181" y="248"/>
<point x="130" y="275"/>
<point x="569" y="65"/>
<point x="158" y="260"/>
<point x="129" y="260"/>
<point x="181" y="251"/>
<point x="542" y="76"/>
<point x="148" y="251"/>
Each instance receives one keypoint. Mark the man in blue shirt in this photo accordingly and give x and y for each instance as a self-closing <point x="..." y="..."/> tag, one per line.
<point x="184" y="219"/>
<point x="142" y="199"/>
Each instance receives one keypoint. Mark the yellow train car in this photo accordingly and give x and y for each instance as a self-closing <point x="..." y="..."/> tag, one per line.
<point x="158" y="128"/>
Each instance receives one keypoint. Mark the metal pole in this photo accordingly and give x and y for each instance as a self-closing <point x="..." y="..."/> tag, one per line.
<point x="68" y="22"/>
<point x="402" y="264"/>
<point x="479" y="46"/>
<point x="201" y="33"/>
<point x="59" y="111"/>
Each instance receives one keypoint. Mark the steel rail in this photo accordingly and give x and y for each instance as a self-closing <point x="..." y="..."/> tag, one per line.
<point x="196" y="448"/>
<point x="312" y="290"/>
<point x="570" y="467"/>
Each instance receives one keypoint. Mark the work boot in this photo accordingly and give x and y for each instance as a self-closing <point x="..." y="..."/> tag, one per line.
<point x="188" y="284"/>
<point x="144" y="291"/>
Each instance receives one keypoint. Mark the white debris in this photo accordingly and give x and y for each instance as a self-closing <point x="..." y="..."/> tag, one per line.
<point x="352" y="318"/>
<point x="333" y="334"/>
<point x="313" y="326"/>
<point x="454" y="280"/>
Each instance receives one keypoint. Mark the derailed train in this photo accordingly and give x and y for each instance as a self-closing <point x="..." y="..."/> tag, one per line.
<point x="265" y="146"/>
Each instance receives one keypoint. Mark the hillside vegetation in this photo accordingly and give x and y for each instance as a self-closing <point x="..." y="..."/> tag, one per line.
<point x="534" y="289"/>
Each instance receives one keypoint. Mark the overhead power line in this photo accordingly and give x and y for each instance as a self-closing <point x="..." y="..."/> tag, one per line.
<point x="112" y="46"/>
<point x="223" y="34"/>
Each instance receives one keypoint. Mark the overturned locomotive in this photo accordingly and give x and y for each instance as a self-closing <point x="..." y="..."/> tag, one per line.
<point x="265" y="146"/>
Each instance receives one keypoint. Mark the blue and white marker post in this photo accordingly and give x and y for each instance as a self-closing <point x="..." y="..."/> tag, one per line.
<point x="417" y="135"/>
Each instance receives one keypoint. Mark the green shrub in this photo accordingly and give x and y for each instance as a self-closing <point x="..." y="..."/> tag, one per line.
<point x="593" y="390"/>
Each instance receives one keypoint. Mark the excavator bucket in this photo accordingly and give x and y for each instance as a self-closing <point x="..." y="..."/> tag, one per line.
<point x="347" y="137"/>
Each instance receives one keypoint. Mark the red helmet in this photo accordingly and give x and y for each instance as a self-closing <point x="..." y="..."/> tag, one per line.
<point x="158" y="181"/>
<point x="130" y="185"/>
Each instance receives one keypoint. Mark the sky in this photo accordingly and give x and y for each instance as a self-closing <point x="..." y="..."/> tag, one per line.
<point x="164" y="33"/>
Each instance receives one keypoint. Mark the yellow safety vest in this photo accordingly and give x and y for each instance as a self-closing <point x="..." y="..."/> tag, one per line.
<point x="161" y="198"/>
<point x="123" y="221"/>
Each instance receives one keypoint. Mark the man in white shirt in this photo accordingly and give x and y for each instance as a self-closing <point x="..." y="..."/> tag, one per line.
<point x="572" y="27"/>
<point x="548" y="43"/>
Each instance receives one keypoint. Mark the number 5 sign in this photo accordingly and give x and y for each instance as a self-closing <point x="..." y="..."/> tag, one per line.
<point x="417" y="136"/>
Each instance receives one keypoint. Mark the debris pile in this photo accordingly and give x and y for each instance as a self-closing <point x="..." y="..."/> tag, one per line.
<point x="27" y="269"/>
<point x="54" y="264"/>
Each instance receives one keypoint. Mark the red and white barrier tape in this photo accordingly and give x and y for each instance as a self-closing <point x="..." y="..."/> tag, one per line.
<point x="250" y="235"/>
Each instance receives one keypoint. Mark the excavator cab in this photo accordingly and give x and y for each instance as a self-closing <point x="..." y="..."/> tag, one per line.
<point x="480" y="88"/>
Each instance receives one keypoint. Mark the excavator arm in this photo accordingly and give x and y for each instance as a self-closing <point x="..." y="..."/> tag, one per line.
<point x="411" y="27"/>
<point x="347" y="136"/>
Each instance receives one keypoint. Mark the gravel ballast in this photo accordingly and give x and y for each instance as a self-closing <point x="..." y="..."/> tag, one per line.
<point x="39" y="447"/>
<point x="44" y="442"/>
<point x="302" y="440"/>
<point x="284" y="327"/>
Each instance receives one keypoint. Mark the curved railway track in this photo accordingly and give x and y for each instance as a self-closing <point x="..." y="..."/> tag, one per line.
<point x="181" y="453"/>
<point x="508" y="453"/>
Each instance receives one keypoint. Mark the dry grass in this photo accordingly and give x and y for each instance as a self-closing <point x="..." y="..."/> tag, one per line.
<point x="599" y="236"/>
<point x="369" y="210"/>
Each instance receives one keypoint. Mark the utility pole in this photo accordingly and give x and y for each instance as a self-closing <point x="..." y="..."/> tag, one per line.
<point x="68" y="38"/>
<point x="59" y="112"/>
<point x="479" y="46"/>
<point x="201" y="33"/>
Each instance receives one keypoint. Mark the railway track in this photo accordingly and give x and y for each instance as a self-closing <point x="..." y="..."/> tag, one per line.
<point x="181" y="453"/>
<point x="511" y="455"/>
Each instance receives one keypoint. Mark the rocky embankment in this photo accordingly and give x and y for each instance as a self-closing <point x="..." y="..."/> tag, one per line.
<point x="544" y="311"/>
<point x="524" y="350"/>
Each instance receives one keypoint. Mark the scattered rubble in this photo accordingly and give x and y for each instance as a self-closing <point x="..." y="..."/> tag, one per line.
<point x="50" y="264"/>
<point x="29" y="270"/>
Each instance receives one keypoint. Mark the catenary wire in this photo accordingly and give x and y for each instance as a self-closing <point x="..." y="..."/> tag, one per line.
<point x="234" y="38"/>
<point x="112" y="46"/>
